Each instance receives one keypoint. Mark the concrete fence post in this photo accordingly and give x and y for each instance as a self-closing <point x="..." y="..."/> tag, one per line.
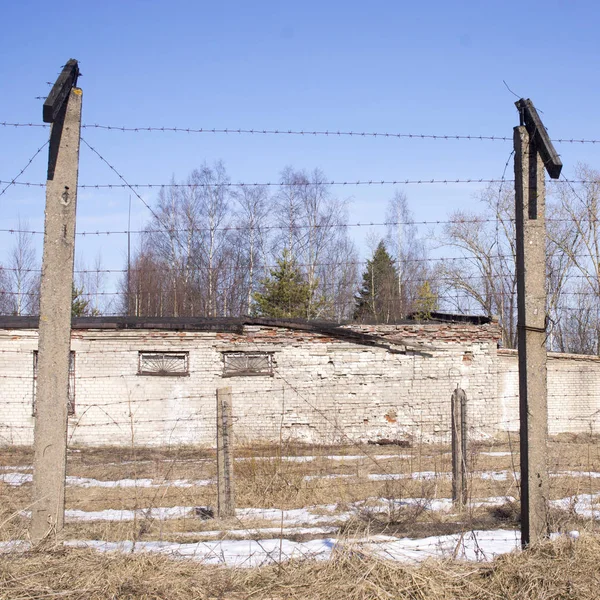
<point x="225" y="485"/>
<point x="50" y="428"/>
<point x="459" y="447"/>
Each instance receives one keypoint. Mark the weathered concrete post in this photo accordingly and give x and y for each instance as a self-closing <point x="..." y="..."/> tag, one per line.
<point x="533" y="153"/>
<point x="225" y="487"/>
<point x="50" y="430"/>
<point x="459" y="447"/>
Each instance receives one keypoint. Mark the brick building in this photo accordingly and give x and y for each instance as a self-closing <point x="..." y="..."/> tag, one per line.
<point x="153" y="381"/>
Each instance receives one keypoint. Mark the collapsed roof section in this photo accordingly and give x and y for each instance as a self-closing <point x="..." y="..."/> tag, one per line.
<point x="345" y="332"/>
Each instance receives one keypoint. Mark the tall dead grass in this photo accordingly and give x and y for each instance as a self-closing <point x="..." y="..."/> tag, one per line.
<point x="563" y="569"/>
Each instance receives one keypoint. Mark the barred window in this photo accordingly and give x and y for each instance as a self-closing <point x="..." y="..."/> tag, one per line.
<point x="71" y="393"/>
<point x="238" y="364"/>
<point x="163" y="363"/>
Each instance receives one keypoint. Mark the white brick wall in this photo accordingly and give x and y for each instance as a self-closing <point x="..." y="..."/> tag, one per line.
<point x="573" y="392"/>
<point x="323" y="389"/>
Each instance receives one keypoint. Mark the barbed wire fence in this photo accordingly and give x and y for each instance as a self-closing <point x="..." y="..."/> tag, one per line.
<point x="302" y="467"/>
<point x="128" y="491"/>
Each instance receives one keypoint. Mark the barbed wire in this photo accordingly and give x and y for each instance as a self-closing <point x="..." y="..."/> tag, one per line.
<point x="274" y="184"/>
<point x="299" y="132"/>
<point x="235" y="268"/>
<point x="367" y="182"/>
<point x="294" y="227"/>
<point x="13" y="181"/>
<point x="260" y="228"/>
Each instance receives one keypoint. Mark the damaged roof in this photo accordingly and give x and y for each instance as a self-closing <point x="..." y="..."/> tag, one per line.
<point x="236" y="325"/>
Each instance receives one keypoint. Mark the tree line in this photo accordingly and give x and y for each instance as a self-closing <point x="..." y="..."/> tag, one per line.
<point x="212" y="250"/>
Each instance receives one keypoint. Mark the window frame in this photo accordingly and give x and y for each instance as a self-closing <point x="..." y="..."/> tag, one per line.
<point x="268" y="372"/>
<point x="164" y="373"/>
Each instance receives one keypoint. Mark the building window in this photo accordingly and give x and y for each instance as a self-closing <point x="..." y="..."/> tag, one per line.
<point x="239" y="364"/>
<point x="163" y="363"/>
<point x="71" y="392"/>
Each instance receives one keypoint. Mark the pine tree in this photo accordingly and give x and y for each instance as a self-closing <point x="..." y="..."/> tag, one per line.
<point x="79" y="306"/>
<point x="426" y="301"/>
<point x="379" y="299"/>
<point x="286" y="293"/>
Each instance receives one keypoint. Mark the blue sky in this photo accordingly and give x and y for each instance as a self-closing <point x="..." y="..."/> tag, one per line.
<point x="428" y="67"/>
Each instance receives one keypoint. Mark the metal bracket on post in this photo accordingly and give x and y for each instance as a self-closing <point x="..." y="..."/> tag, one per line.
<point x="59" y="93"/>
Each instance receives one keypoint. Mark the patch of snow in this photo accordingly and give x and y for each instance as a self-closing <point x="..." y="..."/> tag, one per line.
<point x="416" y="475"/>
<point x="367" y="457"/>
<point x="473" y="545"/>
<point x="297" y="516"/>
<point x="337" y="457"/>
<point x="16" y="479"/>
<point x="330" y="476"/>
<point x="87" y="482"/>
<point x="246" y="553"/>
<point x="244" y="533"/>
<point x="590" y="474"/>
<point x="299" y="459"/>
<point x="498" y="453"/>
<point x="160" y="513"/>
<point x="494" y="475"/>
<point x="584" y="505"/>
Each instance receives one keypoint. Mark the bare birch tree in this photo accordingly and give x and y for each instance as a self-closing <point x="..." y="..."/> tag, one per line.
<point x="410" y="252"/>
<point x="576" y="236"/>
<point x="23" y="273"/>
<point x="5" y="302"/>
<point x="252" y="236"/>
<point x="312" y="224"/>
<point x="482" y="276"/>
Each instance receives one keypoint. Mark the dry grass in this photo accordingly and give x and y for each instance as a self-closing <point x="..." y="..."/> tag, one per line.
<point x="564" y="569"/>
<point x="264" y="478"/>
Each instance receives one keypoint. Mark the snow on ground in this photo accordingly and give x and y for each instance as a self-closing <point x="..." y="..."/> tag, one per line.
<point x="312" y="515"/>
<point x="495" y="453"/>
<point x="478" y="545"/>
<point x="329" y="476"/>
<point x="275" y="531"/>
<point x="233" y="553"/>
<point x="592" y="474"/>
<point x="497" y="475"/>
<point x="584" y="505"/>
<point x="337" y="457"/>
<point x="16" y="479"/>
<point x="321" y="514"/>
<point x="415" y="475"/>
<point x="299" y="459"/>
<point x="87" y="482"/>
<point x="473" y="546"/>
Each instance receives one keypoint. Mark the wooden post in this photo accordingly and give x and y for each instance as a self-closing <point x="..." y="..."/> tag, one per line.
<point x="225" y="488"/>
<point x="459" y="447"/>
<point x="533" y="153"/>
<point x="63" y="108"/>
